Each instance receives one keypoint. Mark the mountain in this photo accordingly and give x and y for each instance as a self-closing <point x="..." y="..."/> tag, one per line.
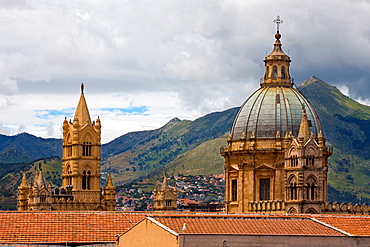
<point x="26" y="148"/>
<point x="138" y="154"/>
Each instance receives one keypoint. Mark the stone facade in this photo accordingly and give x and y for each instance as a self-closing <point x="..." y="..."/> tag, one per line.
<point x="80" y="171"/>
<point x="276" y="156"/>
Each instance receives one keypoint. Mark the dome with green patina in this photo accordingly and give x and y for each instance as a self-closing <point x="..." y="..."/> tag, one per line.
<point x="276" y="108"/>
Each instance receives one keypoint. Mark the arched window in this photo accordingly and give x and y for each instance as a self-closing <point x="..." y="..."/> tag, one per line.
<point x="168" y="202"/>
<point x="43" y="198"/>
<point x="86" y="149"/>
<point x="294" y="161"/>
<point x="69" y="147"/>
<point x="293" y="192"/>
<point x="311" y="211"/>
<point x="292" y="188"/>
<point x="282" y="72"/>
<point x="292" y="210"/>
<point x="274" y="73"/>
<point x="310" y="160"/>
<point x="311" y="189"/>
<point x="86" y="177"/>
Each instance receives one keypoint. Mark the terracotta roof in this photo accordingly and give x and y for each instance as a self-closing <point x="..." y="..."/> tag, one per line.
<point x="357" y="225"/>
<point x="62" y="227"/>
<point x="266" y="225"/>
<point x="103" y="227"/>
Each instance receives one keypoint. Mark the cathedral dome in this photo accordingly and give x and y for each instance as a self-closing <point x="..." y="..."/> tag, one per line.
<point x="274" y="109"/>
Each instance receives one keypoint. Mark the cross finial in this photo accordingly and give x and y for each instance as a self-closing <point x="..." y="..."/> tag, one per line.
<point x="82" y="88"/>
<point x="278" y="21"/>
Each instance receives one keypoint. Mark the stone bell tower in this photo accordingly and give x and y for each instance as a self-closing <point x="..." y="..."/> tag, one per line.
<point x="81" y="153"/>
<point x="81" y="175"/>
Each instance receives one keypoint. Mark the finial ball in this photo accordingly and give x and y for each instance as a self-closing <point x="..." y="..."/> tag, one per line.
<point x="277" y="36"/>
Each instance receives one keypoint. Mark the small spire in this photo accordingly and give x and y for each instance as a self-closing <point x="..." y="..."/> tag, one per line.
<point x="304" y="129"/>
<point x="24" y="181"/>
<point x="36" y="175"/>
<point x="110" y="181"/>
<point x="82" y="112"/>
<point x="164" y="184"/>
<point x="40" y="179"/>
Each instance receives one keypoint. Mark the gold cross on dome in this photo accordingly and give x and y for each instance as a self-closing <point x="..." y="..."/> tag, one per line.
<point x="278" y="21"/>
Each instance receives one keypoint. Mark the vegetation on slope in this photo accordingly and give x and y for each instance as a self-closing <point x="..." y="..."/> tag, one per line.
<point x="138" y="154"/>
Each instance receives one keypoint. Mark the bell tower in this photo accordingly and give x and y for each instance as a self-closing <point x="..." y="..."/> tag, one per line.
<point x="81" y="153"/>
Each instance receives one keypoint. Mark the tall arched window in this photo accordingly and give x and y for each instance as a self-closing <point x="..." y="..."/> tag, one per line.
<point x="292" y="189"/>
<point x="274" y="73"/>
<point x="311" y="189"/>
<point x="283" y="72"/>
<point x="86" y="177"/>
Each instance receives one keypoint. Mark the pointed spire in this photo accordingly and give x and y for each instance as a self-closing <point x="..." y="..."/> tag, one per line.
<point x="82" y="112"/>
<point x="40" y="180"/>
<point x="24" y="181"/>
<point x="110" y="181"/>
<point x="36" y="177"/>
<point x="65" y="124"/>
<point x="164" y="184"/>
<point x="304" y="129"/>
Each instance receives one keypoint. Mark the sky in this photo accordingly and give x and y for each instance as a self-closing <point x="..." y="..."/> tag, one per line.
<point x="146" y="62"/>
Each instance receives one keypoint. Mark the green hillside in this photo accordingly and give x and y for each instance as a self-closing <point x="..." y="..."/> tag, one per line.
<point x="138" y="154"/>
<point x="202" y="160"/>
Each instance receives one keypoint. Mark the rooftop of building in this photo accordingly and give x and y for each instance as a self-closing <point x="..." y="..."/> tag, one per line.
<point x="264" y="224"/>
<point x="104" y="227"/>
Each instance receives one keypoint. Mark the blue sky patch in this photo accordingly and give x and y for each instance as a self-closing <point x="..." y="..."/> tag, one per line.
<point x="138" y="110"/>
<point x="44" y="114"/>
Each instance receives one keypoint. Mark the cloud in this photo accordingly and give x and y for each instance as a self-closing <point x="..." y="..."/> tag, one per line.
<point x="50" y="130"/>
<point x="4" y="130"/>
<point x="8" y="103"/>
<point x="198" y="56"/>
<point x="21" y="128"/>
